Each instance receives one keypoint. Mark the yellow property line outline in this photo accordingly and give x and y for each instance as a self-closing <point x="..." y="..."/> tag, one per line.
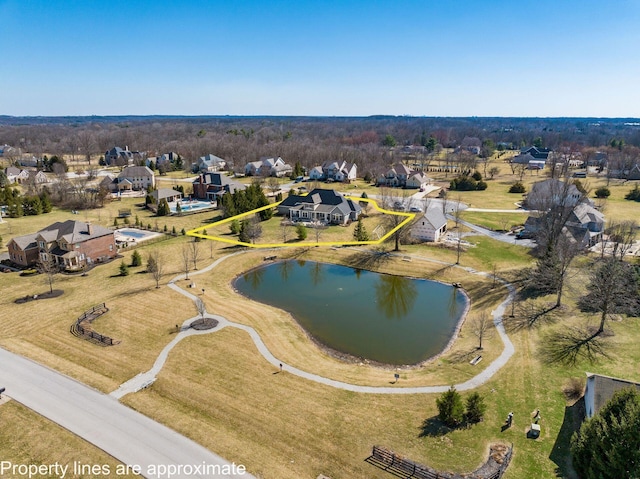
<point x="197" y="231"/>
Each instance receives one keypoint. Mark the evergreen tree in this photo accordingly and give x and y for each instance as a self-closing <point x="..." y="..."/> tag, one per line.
<point x="450" y="408"/>
<point x="243" y="234"/>
<point x="124" y="270"/>
<point x="475" y="408"/>
<point x="360" y="232"/>
<point x="608" y="444"/>
<point x="301" y="231"/>
<point x="163" y="208"/>
<point x="136" y="259"/>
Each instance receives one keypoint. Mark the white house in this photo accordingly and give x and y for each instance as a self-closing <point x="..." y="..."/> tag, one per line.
<point x="140" y="177"/>
<point x="316" y="173"/>
<point x="430" y="226"/>
<point x="209" y="163"/>
<point x="268" y="166"/>
<point x="418" y="180"/>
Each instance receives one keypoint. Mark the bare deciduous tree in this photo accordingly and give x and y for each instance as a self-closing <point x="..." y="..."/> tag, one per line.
<point x="201" y="307"/>
<point x="48" y="266"/>
<point x="482" y="327"/>
<point x="194" y="246"/>
<point x="155" y="266"/>
<point x="186" y="259"/>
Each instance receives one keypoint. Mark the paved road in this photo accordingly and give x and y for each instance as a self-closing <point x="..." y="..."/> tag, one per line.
<point x="505" y="238"/>
<point x="130" y="437"/>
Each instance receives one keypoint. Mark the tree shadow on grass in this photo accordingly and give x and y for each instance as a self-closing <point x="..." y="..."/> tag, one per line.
<point x="368" y="259"/>
<point x="433" y="427"/>
<point x="561" y="454"/>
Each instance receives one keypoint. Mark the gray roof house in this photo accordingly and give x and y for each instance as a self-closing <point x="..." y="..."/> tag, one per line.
<point x="165" y="194"/>
<point x="71" y="245"/>
<point x="324" y="206"/>
<point x="268" y="166"/>
<point x="600" y="389"/>
<point x="209" y="186"/>
<point x="552" y="192"/>
<point x="430" y="226"/>
<point x="209" y="163"/>
<point x="397" y="175"/>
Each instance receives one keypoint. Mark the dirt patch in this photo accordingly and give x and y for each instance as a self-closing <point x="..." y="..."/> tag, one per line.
<point x="204" y="323"/>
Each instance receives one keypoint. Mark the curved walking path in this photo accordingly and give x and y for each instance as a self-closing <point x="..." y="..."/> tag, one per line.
<point x="145" y="379"/>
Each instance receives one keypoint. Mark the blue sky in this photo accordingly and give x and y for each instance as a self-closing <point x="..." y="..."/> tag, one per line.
<point x="333" y="57"/>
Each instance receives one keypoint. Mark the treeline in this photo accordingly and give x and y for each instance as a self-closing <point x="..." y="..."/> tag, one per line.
<point x="246" y="200"/>
<point x="24" y="205"/>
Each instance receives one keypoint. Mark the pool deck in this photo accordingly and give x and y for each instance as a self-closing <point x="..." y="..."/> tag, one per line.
<point x="123" y="237"/>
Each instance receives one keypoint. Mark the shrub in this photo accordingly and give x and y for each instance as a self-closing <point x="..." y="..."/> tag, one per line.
<point x="235" y="227"/>
<point x="476" y="176"/>
<point x="450" y="408"/>
<point x="603" y="192"/>
<point x="482" y="185"/>
<point x="517" y="187"/>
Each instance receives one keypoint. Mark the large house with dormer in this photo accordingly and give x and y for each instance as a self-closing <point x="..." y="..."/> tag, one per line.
<point x="268" y="166"/>
<point x="340" y="171"/>
<point x="395" y="177"/>
<point x="211" y="186"/>
<point x="70" y="244"/>
<point x="209" y="163"/>
<point x="323" y="206"/>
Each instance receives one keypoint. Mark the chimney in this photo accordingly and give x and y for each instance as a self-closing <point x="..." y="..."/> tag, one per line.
<point x="89" y="229"/>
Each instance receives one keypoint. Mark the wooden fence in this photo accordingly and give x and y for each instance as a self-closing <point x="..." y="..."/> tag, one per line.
<point x="400" y="466"/>
<point x="78" y="328"/>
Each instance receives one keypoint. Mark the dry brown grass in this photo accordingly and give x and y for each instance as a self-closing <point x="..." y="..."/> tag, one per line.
<point x="28" y="438"/>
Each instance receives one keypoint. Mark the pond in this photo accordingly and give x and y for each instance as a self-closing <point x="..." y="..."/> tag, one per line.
<point x="388" y="319"/>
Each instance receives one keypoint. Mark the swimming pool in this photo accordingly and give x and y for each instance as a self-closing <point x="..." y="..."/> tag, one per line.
<point x="194" y="205"/>
<point x="124" y="235"/>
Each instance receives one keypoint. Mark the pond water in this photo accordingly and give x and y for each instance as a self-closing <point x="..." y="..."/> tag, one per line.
<point x="384" y="318"/>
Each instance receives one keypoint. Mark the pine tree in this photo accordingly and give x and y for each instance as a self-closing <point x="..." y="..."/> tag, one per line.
<point x="475" y="408"/>
<point x="301" y="231"/>
<point x="450" y="408"/>
<point x="136" y="259"/>
<point x="608" y="444"/>
<point x="360" y="232"/>
<point x="124" y="270"/>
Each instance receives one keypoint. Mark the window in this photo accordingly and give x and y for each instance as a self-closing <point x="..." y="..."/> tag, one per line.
<point x="110" y="247"/>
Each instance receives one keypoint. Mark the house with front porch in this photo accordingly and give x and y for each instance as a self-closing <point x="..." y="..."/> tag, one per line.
<point x="70" y="244"/>
<point x="322" y="206"/>
<point x="396" y="176"/>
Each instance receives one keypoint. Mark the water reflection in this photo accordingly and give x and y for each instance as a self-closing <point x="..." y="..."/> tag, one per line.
<point x="317" y="273"/>
<point x="284" y="267"/>
<point x="395" y="295"/>
<point x="254" y="277"/>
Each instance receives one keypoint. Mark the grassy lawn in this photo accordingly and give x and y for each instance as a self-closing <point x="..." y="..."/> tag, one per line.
<point x="26" y="438"/>
<point x="494" y="221"/>
<point x="218" y="390"/>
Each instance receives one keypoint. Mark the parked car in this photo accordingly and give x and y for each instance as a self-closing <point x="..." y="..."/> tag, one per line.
<point x="415" y="209"/>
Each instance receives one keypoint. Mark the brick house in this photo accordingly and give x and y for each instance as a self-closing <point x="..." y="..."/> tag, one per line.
<point x="70" y="244"/>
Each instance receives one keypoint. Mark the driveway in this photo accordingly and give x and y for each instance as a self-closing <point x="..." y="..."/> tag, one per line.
<point x="129" y="436"/>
